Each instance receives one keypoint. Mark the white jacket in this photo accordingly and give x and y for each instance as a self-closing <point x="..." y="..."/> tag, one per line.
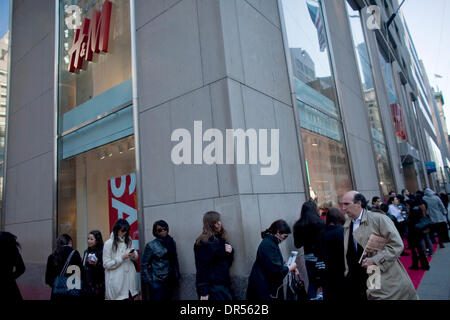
<point x="120" y="275"/>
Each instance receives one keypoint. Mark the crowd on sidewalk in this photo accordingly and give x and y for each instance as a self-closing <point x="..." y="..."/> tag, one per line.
<point x="343" y="247"/>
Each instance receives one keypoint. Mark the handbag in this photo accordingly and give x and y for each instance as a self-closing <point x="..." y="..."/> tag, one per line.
<point x="296" y="288"/>
<point x="60" y="284"/>
<point x="424" y="223"/>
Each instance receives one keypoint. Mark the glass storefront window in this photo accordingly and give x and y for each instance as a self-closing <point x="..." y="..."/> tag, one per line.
<point x="327" y="167"/>
<point x="437" y="177"/>
<point x="314" y="83"/>
<point x="106" y="70"/>
<point x="95" y="120"/>
<point x="370" y="98"/>
<point x="398" y="116"/>
<point x="83" y="198"/>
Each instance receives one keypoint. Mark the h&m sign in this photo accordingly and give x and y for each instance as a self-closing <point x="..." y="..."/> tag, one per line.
<point x="92" y="36"/>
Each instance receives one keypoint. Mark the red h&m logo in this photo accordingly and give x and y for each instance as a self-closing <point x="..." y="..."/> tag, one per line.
<point x="92" y="37"/>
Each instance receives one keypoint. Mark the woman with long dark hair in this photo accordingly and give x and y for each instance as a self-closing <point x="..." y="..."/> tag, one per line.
<point x="306" y="234"/>
<point x="93" y="273"/>
<point x="415" y="237"/>
<point x="118" y="257"/>
<point x="213" y="259"/>
<point x="58" y="259"/>
<point x="11" y="267"/>
<point x="160" y="270"/>
<point x="268" y="271"/>
<point x="331" y="252"/>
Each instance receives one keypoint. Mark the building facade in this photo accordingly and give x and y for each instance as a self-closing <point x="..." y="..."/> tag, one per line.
<point x="91" y="126"/>
<point x="4" y="49"/>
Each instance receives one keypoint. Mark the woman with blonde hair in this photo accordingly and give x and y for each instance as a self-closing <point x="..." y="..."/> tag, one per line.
<point x="213" y="259"/>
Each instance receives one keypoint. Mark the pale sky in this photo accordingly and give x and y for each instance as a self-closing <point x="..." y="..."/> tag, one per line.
<point x="429" y="24"/>
<point x="4" y="17"/>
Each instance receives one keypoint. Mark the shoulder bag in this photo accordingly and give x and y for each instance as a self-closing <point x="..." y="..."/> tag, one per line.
<point x="60" y="288"/>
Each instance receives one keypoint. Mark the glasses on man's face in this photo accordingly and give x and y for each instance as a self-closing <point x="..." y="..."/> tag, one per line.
<point x="159" y="230"/>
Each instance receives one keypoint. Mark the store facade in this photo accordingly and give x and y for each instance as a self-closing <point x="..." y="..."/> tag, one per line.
<point x="92" y="123"/>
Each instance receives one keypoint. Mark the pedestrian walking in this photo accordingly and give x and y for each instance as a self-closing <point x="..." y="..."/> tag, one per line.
<point x="11" y="267"/>
<point x="213" y="260"/>
<point x="120" y="271"/>
<point x="444" y="198"/>
<point x="93" y="273"/>
<point x="159" y="265"/>
<point x="437" y="211"/>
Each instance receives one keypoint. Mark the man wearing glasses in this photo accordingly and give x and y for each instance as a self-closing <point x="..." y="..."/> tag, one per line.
<point x="394" y="282"/>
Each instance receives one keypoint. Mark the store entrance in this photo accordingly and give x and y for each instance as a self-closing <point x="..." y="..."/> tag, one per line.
<point x="95" y="188"/>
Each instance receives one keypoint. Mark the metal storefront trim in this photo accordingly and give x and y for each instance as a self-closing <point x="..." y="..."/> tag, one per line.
<point x="5" y="157"/>
<point x="140" y="209"/>
<point x="55" y="128"/>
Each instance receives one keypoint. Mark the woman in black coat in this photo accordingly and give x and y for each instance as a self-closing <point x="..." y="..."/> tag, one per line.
<point x="213" y="259"/>
<point x="268" y="271"/>
<point x="307" y="231"/>
<point x="11" y="267"/>
<point x="57" y="260"/>
<point x="331" y="252"/>
<point x="160" y="271"/>
<point x="415" y="236"/>
<point x="93" y="273"/>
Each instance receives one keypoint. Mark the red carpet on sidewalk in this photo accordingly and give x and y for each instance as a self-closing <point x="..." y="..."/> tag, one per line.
<point x="415" y="275"/>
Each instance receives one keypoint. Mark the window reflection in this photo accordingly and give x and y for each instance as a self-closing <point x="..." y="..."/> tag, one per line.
<point x="396" y="110"/>
<point x="371" y="100"/>
<point x="327" y="166"/>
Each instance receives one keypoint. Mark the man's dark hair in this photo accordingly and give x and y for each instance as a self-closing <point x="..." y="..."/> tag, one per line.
<point x="384" y="207"/>
<point x="391" y="192"/>
<point x="375" y="199"/>
<point x="359" y="197"/>
<point x="336" y="217"/>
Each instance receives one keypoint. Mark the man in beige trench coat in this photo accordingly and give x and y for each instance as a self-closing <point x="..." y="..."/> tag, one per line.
<point x="394" y="283"/>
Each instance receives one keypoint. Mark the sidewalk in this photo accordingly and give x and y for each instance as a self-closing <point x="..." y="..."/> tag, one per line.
<point x="435" y="284"/>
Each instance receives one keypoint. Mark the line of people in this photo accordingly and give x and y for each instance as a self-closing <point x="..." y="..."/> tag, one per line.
<point x="418" y="218"/>
<point x="332" y="252"/>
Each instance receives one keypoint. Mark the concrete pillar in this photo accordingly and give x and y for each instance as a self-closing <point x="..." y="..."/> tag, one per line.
<point x="220" y="62"/>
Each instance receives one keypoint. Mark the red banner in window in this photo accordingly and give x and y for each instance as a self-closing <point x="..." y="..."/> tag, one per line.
<point x="123" y="205"/>
<point x="399" y="124"/>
